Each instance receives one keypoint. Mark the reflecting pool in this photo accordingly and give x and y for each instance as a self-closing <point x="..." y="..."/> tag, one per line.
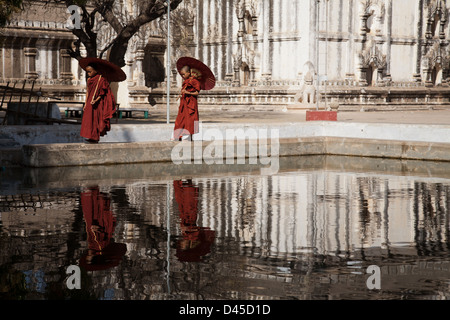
<point x="162" y="232"/>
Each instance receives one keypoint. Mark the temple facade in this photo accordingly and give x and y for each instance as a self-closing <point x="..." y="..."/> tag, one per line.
<point x="330" y="53"/>
<point x="266" y="54"/>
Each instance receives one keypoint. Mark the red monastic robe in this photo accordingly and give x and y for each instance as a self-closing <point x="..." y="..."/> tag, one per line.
<point x="195" y="241"/>
<point x="97" y="212"/>
<point x="103" y="253"/>
<point x="96" y="118"/>
<point x="187" y="118"/>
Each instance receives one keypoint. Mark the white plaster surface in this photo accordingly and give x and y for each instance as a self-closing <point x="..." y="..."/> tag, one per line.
<point x="25" y="135"/>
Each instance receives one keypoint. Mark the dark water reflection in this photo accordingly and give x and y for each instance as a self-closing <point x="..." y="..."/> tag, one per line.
<point x="309" y="232"/>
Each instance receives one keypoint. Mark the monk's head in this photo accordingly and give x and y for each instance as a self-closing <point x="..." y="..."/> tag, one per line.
<point x="91" y="70"/>
<point x="185" y="72"/>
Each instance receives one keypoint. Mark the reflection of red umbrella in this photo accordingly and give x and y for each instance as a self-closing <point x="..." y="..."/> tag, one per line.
<point x="107" y="69"/>
<point x="109" y="257"/>
<point x="195" y="245"/>
<point x="200" y="70"/>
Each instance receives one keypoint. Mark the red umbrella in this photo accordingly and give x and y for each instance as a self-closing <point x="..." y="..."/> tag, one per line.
<point x="200" y="70"/>
<point x="107" y="69"/>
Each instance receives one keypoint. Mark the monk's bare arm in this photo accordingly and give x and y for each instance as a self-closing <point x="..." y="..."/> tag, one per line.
<point x="195" y="93"/>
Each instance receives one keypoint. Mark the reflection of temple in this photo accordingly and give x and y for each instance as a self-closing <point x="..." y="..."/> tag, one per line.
<point x="301" y="223"/>
<point x="306" y="235"/>
<point x="265" y="54"/>
<point x="325" y="213"/>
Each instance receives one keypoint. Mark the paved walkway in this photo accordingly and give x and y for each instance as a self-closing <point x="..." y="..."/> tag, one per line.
<point x="153" y="134"/>
<point x="441" y="117"/>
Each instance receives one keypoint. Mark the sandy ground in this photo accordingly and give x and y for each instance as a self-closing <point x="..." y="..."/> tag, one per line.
<point x="432" y="117"/>
<point x="441" y="117"/>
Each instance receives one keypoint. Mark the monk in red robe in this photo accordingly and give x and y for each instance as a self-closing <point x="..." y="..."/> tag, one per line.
<point x="99" y="107"/>
<point x="186" y="123"/>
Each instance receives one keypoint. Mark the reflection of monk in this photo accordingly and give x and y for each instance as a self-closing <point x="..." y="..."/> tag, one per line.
<point x="103" y="252"/>
<point x="196" y="241"/>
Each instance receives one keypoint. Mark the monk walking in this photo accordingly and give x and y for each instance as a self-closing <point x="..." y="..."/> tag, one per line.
<point x="99" y="107"/>
<point x="186" y="123"/>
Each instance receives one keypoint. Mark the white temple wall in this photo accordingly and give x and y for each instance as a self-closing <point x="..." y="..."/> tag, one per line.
<point x="279" y="52"/>
<point x="404" y="18"/>
<point x="402" y="69"/>
<point x="337" y="59"/>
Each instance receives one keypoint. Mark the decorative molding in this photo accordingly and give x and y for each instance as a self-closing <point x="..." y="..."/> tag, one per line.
<point x="372" y="54"/>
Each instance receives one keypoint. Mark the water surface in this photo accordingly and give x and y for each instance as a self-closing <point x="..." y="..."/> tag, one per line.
<point x="162" y="232"/>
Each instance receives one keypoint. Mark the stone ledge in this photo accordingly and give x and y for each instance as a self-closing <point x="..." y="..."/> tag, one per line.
<point x="61" y="155"/>
<point x="127" y="133"/>
<point x="405" y="150"/>
<point x="76" y="176"/>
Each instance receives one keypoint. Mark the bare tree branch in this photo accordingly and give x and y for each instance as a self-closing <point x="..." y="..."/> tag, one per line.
<point x="149" y="11"/>
<point x="109" y="17"/>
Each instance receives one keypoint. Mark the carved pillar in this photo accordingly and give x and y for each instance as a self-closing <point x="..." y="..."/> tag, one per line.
<point x="426" y="69"/>
<point x="139" y="75"/>
<point x="30" y="63"/>
<point x="380" y="81"/>
<point x="190" y="30"/>
<point x="240" y="13"/>
<point x="252" y="69"/>
<point x="173" y="81"/>
<point x="443" y="20"/>
<point x="363" y="76"/>
<point x="363" y="25"/>
<point x="129" y="72"/>
<point x="266" y="68"/>
<point x="417" y="76"/>
<point x="255" y="26"/>
<point x="236" y="66"/>
<point x="255" y="13"/>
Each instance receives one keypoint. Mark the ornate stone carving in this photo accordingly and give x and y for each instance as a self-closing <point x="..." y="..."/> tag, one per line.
<point x="372" y="55"/>
<point x="437" y="59"/>
<point x="373" y="5"/>
<point x="213" y="33"/>
<point x="239" y="6"/>
<point x="375" y="8"/>
<point x="436" y="12"/>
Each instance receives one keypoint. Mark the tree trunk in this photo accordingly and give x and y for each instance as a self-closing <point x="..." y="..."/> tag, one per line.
<point x="119" y="46"/>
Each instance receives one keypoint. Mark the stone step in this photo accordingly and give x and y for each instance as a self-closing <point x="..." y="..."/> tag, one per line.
<point x="186" y="152"/>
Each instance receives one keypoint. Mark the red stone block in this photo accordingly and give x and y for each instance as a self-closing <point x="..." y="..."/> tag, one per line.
<point x="321" y="115"/>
